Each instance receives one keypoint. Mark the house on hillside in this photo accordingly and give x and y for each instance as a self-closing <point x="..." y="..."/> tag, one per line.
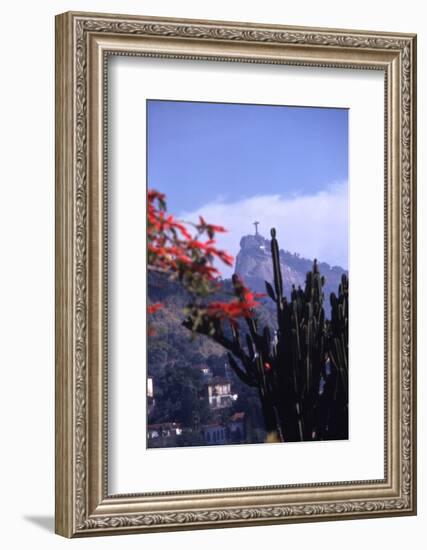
<point x="233" y="430"/>
<point x="219" y="393"/>
<point x="163" y="434"/>
<point x="215" y="434"/>
<point x="150" y="394"/>
<point x="206" y="371"/>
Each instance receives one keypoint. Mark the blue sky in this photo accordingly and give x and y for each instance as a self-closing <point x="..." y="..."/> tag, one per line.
<point x="236" y="162"/>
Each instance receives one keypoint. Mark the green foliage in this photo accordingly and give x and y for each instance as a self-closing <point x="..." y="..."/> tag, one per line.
<point x="178" y="394"/>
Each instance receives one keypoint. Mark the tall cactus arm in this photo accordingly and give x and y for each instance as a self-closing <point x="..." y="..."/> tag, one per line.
<point x="278" y="283"/>
<point x="244" y="377"/>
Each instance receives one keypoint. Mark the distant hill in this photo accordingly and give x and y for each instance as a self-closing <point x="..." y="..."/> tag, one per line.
<point x="254" y="265"/>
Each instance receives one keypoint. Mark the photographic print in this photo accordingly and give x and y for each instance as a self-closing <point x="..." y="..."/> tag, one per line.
<point x="248" y="291"/>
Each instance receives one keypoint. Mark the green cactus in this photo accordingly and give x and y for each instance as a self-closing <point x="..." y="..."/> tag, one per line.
<point x="302" y="371"/>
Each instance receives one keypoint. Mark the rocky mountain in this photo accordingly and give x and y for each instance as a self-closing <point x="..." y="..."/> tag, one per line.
<point x="255" y="266"/>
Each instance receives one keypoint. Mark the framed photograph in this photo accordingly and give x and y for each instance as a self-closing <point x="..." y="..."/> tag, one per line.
<point x="235" y="274"/>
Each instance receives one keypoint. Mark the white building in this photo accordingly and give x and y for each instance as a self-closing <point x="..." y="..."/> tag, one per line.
<point x="219" y="393"/>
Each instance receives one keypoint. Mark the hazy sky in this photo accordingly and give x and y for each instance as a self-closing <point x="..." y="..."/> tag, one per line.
<point x="284" y="166"/>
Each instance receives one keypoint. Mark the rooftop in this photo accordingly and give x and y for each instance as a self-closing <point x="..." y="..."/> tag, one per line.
<point x="218" y="380"/>
<point x="166" y="425"/>
<point x="237" y="416"/>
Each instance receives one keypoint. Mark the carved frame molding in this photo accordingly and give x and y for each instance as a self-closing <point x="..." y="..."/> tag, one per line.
<point x="83" y="42"/>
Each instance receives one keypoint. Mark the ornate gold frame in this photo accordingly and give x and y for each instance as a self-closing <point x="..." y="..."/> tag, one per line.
<point x="83" y="506"/>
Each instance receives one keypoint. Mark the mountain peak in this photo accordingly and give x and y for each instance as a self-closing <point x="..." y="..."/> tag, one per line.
<point x="254" y="264"/>
<point x="254" y="243"/>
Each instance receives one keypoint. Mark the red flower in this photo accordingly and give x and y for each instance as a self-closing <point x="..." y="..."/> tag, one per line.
<point x="173" y="250"/>
<point x="154" y="307"/>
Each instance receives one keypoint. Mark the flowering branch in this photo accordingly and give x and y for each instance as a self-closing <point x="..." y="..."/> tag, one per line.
<point x="186" y="253"/>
